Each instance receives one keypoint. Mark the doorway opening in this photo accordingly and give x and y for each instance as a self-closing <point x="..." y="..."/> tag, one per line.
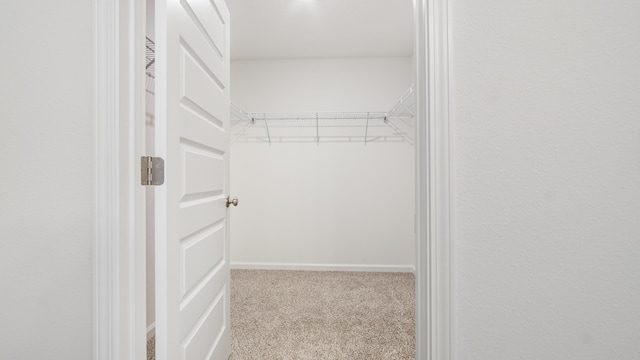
<point x="307" y="194"/>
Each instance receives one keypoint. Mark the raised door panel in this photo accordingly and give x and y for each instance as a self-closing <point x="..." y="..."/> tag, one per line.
<point x="192" y="106"/>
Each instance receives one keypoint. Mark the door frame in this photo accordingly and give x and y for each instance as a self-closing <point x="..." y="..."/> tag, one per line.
<point x="119" y="216"/>
<point x="119" y="292"/>
<point x="434" y="210"/>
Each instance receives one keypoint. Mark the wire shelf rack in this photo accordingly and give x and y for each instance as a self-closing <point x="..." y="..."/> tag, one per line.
<point x="150" y="57"/>
<point x="395" y="125"/>
<point x="401" y="117"/>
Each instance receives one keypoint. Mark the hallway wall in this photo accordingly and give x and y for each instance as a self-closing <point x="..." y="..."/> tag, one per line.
<point x="46" y="182"/>
<point x="546" y="120"/>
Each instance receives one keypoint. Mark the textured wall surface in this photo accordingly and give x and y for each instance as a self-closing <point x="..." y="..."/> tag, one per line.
<point x="546" y="115"/>
<point x="46" y="181"/>
<point x="335" y="204"/>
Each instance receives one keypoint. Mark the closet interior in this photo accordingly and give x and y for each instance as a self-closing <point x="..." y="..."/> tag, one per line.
<point x="322" y="163"/>
<point x="321" y="160"/>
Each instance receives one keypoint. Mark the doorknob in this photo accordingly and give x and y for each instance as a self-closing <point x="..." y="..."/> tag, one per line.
<point x="233" y="201"/>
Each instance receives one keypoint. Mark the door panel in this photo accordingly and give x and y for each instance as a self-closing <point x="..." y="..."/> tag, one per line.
<point x="192" y="116"/>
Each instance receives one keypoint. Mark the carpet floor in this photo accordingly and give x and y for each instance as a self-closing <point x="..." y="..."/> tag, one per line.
<point x="322" y="315"/>
<point x="151" y="348"/>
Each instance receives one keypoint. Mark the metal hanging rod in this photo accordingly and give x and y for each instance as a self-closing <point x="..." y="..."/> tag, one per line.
<point x="319" y="116"/>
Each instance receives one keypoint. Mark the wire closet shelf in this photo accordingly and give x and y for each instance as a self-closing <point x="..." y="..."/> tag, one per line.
<point x="150" y="57"/>
<point x="150" y="60"/>
<point x="395" y="125"/>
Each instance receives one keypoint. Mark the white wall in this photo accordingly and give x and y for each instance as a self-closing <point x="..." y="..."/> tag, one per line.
<point x="358" y="84"/>
<point x="546" y="112"/>
<point x="46" y="181"/>
<point x="332" y="204"/>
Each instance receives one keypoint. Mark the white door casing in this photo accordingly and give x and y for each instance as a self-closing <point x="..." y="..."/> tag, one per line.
<point x="192" y="123"/>
<point x="119" y="326"/>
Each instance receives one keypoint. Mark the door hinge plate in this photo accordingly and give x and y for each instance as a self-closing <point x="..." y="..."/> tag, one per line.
<point x="151" y="170"/>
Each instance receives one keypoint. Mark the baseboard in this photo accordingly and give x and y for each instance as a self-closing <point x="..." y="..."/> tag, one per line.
<point x="151" y="330"/>
<point x="322" y="267"/>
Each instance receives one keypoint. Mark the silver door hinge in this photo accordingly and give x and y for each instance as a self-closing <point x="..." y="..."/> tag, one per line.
<point x="152" y="170"/>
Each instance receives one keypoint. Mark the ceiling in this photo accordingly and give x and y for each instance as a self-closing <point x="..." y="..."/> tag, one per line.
<point x="279" y="29"/>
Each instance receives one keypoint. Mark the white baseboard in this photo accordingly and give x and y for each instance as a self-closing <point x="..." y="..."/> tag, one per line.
<point x="151" y="330"/>
<point x="322" y="267"/>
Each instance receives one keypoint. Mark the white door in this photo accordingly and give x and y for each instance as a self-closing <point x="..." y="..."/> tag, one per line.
<point x="192" y="124"/>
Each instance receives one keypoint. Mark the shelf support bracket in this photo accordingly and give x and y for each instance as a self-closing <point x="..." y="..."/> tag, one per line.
<point x="366" y="130"/>
<point x="266" y="125"/>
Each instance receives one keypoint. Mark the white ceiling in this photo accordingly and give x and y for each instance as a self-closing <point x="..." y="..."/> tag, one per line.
<point x="276" y="29"/>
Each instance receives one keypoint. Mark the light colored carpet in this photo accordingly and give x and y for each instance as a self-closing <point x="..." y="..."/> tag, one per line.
<point x="151" y="348"/>
<point x="322" y="315"/>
